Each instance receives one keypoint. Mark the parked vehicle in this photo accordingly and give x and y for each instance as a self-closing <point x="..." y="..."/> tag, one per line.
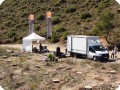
<point x="86" y="46"/>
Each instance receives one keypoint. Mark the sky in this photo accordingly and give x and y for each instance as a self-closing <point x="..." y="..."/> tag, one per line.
<point x="1" y="1"/>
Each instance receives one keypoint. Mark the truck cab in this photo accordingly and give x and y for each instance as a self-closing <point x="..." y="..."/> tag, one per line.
<point x="98" y="52"/>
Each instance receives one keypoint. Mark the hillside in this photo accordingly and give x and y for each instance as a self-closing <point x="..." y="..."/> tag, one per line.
<point x="91" y="17"/>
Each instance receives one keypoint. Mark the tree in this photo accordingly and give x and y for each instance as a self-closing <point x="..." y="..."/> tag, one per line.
<point x="105" y="25"/>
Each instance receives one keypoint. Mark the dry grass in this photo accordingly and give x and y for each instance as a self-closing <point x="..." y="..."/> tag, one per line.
<point x="22" y="73"/>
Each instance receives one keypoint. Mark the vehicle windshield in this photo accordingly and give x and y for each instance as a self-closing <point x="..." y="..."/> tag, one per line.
<point x="98" y="48"/>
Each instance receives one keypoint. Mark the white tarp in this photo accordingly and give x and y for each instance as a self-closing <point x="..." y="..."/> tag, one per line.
<point x="34" y="37"/>
<point x="118" y="1"/>
<point x="27" y="45"/>
<point x="118" y="88"/>
<point x="1" y="88"/>
<point x="27" y="41"/>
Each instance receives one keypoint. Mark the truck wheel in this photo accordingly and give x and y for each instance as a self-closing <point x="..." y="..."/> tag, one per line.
<point x="94" y="58"/>
<point x="76" y="55"/>
<point x="72" y="54"/>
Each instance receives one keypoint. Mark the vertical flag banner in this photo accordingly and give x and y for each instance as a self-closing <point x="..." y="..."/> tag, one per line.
<point x="31" y="23"/>
<point x="49" y="24"/>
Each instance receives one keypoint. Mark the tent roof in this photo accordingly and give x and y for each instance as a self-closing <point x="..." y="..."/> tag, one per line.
<point x="34" y="37"/>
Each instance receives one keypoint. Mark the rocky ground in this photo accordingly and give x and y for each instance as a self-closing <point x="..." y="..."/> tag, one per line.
<point x="27" y="71"/>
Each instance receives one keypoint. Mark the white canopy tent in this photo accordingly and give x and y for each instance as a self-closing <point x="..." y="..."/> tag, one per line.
<point x="27" y="41"/>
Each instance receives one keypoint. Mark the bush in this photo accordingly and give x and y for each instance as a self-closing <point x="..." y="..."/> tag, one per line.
<point x="74" y="1"/>
<point x="85" y="15"/>
<point x="41" y="17"/>
<point x="71" y="8"/>
<point x="107" y="16"/>
<point x="40" y="1"/>
<point x="52" y="57"/>
<point x="58" y="28"/>
<point x="11" y="34"/>
<point x="54" y="38"/>
<point x="2" y="51"/>
<point x="59" y="2"/>
<point x="56" y="20"/>
<point x="103" y="4"/>
<point x="65" y="34"/>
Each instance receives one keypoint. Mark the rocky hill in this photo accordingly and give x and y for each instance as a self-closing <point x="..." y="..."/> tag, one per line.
<point x="87" y="17"/>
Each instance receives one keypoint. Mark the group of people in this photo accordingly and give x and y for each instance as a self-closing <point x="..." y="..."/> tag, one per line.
<point x="114" y="53"/>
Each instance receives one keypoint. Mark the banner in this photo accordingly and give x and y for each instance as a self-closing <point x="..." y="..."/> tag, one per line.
<point x="49" y="27"/>
<point x="31" y="23"/>
<point x="49" y="14"/>
<point x="49" y="24"/>
<point x="31" y="17"/>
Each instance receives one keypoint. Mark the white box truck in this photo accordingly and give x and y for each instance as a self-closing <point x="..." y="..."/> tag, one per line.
<point x="87" y="46"/>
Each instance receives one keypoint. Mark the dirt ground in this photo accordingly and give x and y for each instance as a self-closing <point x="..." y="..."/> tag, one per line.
<point x="29" y="71"/>
<point x="51" y="47"/>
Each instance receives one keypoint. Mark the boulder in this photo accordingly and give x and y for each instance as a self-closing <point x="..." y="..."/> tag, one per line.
<point x="9" y="60"/>
<point x="15" y="65"/>
<point x="2" y="77"/>
<point x="9" y="51"/>
<point x="112" y="72"/>
<point x="56" y="80"/>
<point x="88" y="88"/>
<point x="15" y="54"/>
<point x="4" y="56"/>
<point x="37" y="66"/>
<point x="79" y="72"/>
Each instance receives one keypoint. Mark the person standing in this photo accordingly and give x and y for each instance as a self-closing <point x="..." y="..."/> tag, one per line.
<point x="115" y="51"/>
<point x="40" y="47"/>
<point x="106" y="48"/>
<point x="112" y="54"/>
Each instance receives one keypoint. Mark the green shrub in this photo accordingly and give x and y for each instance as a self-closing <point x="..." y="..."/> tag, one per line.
<point x="107" y="16"/>
<point x="54" y="38"/>
<point x="56" y="20"/>
<point x="103" y="5"/>
<point x="2" y="51"/>
<point x="40" y="1"/>
<point x="7" y="23"/>
<point x="58" y="28"/>
<point x="59" y="2"/>
<point x="71" y="8"/>
<point x="41" y="17"/>
<point x="105" y="25"/>
<point x="15" y="38"/>
<point x="52" y="57"/>
<point x="85" y="15"/>
<point x="11" y="34"/>
<point x="65" y="34"/>
<point x="17" y="26"/>
<point x="74" y="1"/>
